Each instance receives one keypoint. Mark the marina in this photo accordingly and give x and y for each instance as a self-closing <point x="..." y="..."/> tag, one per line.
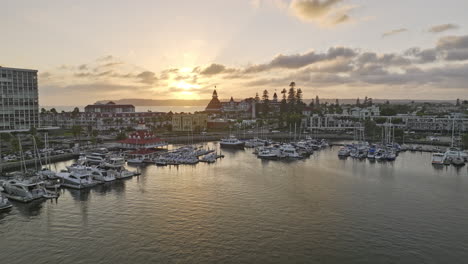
<point x="255" y="206"/>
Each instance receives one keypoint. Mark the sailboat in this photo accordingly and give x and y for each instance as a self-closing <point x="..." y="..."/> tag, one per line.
<point x="454" y="155"/>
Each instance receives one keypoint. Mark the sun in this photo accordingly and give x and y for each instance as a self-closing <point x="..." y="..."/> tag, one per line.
<point x="186" y="90"/>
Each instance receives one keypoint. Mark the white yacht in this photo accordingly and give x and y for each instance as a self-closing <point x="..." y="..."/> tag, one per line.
<point x="289" y="152"/>
<point x="210" y="158"/>
<point x="381" y="154"/>
<point x="344" y="152"/>
<point x="135" y="161"/>
<point x="256" y="142"/>
<point x="76" y="179"/>
<point x="458" y="161"/>
<point x="269" y="153"/>
<point x="24" y="190"/>
<point x="231" y="142"/>
<point x="4" y="203"/>
<point x="96" y="158"/>
<point x="454" y="153"/>
<point x="438" y="158"/>
<point x="102" y="175"/>
<point x="114" y="162"/>
<point x="122" y="173"/>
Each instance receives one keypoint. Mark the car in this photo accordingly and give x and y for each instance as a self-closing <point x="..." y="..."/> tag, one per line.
<point x="250" y="132"/>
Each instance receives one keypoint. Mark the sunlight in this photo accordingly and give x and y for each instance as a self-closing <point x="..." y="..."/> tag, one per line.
<point x="186" y="86"/>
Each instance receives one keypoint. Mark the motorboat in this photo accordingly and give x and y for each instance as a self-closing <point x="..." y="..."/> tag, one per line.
<point x="122" y="173"/>
<point x="160" y="162"/>
<point x="210" y="158"/>
<point x="256" y="142"/>
<point x="232" y="142"/>
<point x="391" y="155"/>
<point x="438" y="158"/>
<point x="289" y="152"/>
<point x="25" y="190"/>
<point x="458" y="161"/>
<point x="4" y="202"/>
<point x="269" y="153"/>
<point x="114" y="162"/>
<point x="95" y="158"/>
<point x="77" y="178"/>
<point x="344" y="152"/>
<point x="371" y="154"/>
<point x="102" y="175"/>
<point x="135" y="161"/>
<point x="380" y="155"/>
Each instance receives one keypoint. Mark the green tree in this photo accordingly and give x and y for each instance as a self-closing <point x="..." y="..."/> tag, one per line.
<point x="265" y="103"/>
<point x="292" y="95"/>
<point x="76" y="131"/>
<point x="283" y="106"/>
<point x="388" y="112"/>
<point x="465" y="141"/>
<point x="33" y="131"/>
<point x="14" y="144"/>
<point x="121" y="136"/>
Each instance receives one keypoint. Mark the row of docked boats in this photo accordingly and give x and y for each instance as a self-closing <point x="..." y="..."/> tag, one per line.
<point x="453" y="156"/>
<point x="86" y="173"/>
<point x="364" y="150"/>
<point x="186" y="155"/>
<point x="289" y="151"/>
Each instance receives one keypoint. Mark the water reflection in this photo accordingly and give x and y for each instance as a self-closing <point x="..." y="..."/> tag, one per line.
<point x="244" y="209"/>
<point x="80" y="195"/>
<point x="117" y="187"/>
<point x="30" y="209"/>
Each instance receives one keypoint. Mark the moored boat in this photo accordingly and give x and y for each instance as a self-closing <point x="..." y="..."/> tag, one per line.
<point x="232" y="142"/>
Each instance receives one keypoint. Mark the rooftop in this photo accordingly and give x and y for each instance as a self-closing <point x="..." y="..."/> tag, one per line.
<point x="16" y="69"/>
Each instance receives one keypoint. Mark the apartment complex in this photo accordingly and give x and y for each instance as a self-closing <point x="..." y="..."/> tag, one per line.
<point x="103" y="120"/>
<point x="19" y="105"/>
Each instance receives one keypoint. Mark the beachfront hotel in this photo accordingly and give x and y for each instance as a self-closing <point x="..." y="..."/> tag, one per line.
<point x="19" y="106"/>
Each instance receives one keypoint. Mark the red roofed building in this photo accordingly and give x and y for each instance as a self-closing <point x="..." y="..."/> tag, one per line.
<point x="214" y="106"/>
<point x="142" y="140"/>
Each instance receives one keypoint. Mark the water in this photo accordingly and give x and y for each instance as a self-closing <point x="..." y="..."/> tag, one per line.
<point x="174" y="109"/>
<point x="242" y="209"/>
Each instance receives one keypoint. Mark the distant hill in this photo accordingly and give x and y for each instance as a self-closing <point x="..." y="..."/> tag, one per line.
<point x="152" y="102"/>
<point x="204" y="102"/>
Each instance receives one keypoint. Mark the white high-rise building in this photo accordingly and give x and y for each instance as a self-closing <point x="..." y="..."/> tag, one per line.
<point x="19" y="105"/>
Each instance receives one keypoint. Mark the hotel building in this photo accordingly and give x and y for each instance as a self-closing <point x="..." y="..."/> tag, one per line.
<point x="19" y="106"/>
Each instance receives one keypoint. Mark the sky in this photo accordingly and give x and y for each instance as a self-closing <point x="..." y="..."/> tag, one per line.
<point x="92" y="50"/>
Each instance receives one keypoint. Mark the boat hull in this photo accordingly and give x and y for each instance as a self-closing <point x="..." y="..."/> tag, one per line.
<point x="232" y="146"/>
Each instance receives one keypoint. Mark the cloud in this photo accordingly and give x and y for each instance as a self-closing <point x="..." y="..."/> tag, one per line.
<point x="422" y="56"/>
<point x="443" y="67"/>
<point x="453" y="42"/>
<point x="45" y="75"/>
<point x="213" y="69"/>
<point x="453" y="48"/>
<point x="442" y="28"/>
<point x="106" y="58"/>
<point x="83" y="67"/>
<point x="394" y="32"/>
<point x="297" y="61"/>
<point x="322" y="12"/>
<point x="147" y="77"/>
